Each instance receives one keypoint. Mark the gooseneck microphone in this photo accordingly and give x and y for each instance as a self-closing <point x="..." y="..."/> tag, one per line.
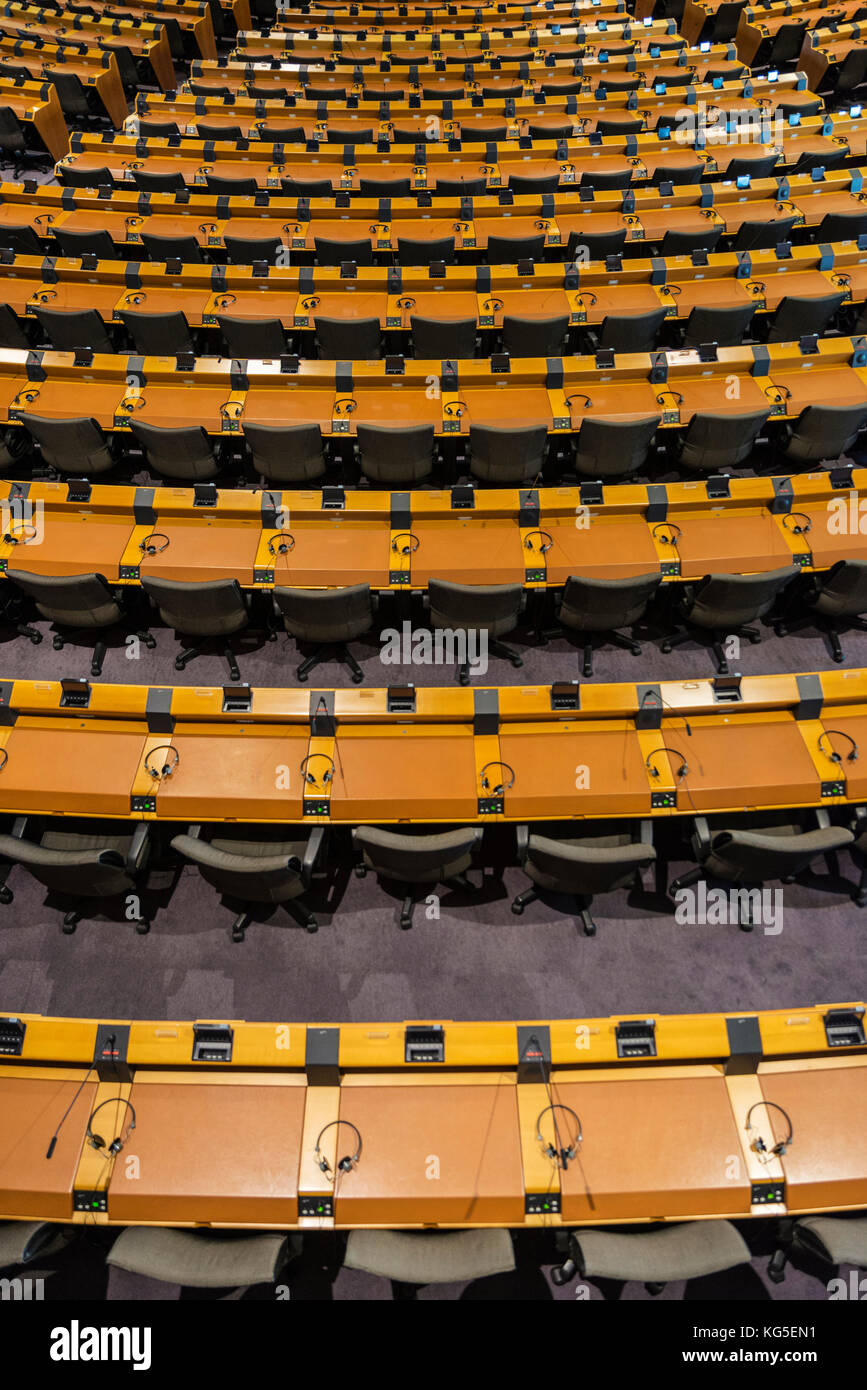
<point x="652" y="695"/>
<point x="111" y="1041"/>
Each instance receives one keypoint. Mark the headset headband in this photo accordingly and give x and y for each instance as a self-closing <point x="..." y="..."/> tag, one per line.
<point x="96" y="1140"/>
<point x="776" y="1150"/>
<point x="349" y="1161"/>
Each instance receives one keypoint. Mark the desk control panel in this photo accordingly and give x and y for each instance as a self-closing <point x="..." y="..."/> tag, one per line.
<point x="763" y="1194"/>
<point x="425" y="1043"/>
<point x="542" y="1204"/>
<point x="636" y="1038"/>
<point x="212" y="1042"/>
<point x="316" y="1206"/>
<point x="12" y="1032"/>
<point x="88" y="1200"/>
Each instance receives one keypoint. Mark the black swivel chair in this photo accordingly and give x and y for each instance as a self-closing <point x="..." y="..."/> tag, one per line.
<point x="286" y="454"/>
<point x="601" y="179"/>
<point x="595" y="246"/>
<point x="841" y="226"/>
<point x="631" y="332"/>
<point x="158" y="335"/>
<point x="677" y="243"/>
<point x="724" y="604"/>
<point x="416" y="859"/>
<point x="77" y="603"/>
<point x="71" y="445"/>
<point x="341" y="339"/>
<point x="761" y="236"/>
<point x="78" y="244"/>
<point x="13" y="332"/>
<point x="600" y="860"/>
<point x="714" y="441"/>
<point x="503" y="455"/>
<point x="755" y="168"/>
<point x="257" y="338"/>
<point x="594" y="609"/>
<point x="508" y="250"/>
<point x="150" y="181"/>
<point x="72" y="177"/>
<point x="535" y="337"/>
<point x="157" y="130"/>
<point x="241" y="250"/>
<point x="442" y="339"/>
<point x="396" y="454"/>
<point x="328" y="617"/>
<point x="725" y="326"/>
<point x="224" y="187"/>
<point x="172" y="248"/>
<point x="256" y="865"/>
<point x="205" y="131"/>
<point x="183" y="452"/>
<point x="613" y="448"/>
<point x="459" y="188"/>
<point x="68" y="329"/>
<point x="215" y="608"/>
<point x="490" y="609"/>
<point x="836" y="599"/>
<point x="415" y="251"/>
<point x="797" y="317"/>
<point x="767" y="847"/>
<point x="384" y="188"/>
<point x="308" y="188"/>
<point x="533" y="184"/>
<point x="83" y="864"/>
<point x="823" y="432"/>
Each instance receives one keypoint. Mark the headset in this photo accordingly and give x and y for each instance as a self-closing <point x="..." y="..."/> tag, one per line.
<point x="328" y="774"/>
<point x="579" y="396"/>
<point x="283" y="548"/>
<point x="834" y="756"/>
<point x="167" y="768"/>
<point x="560" y="1156"/>
<point x="455" y="409"/>
<point x="654" y="771"/>
<point x="147" y="547"/>
<point x="501" y="786"/>
<point x="405" y="549"/>
<point x="667" y="540"/>
<point x="798" y="529"/>
<point x="96" y="1141"/>
<point x="542" y="548"/>
<point x="758" y="1144"/>
<point x="349" y="1161"/>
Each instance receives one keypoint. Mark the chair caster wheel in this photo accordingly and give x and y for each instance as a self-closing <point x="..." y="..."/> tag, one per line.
<point x="666" y="647"/>
<point x="142" y="928"/>
<point x="96" y="670"/>
<point x="239" y="935"/>
<point x="463" y="680"/>
<point x="746" y="926"/>
<point x="360" y="871"/>
<point x="68" y="928"/>
<point x="587" y="670"/>
<point x="839" y="659"/>
<point x="356" y="680"/>
<point x="405" y="923"/>
<point x="589" y="931"/>
<point x="6" y="896"/>
<point x="860" y="899"/>
<point x="179" y="665"/>
<point x="518" y="909"/>
<point x="303" y="678"/>
<point x="754" y="640"/>
<point x="58" y="644"/>
<point x="517" y="662"/>
<point x="36" y="639"/>
<point x="150" y="643"/>
<point x="312" y="928"/>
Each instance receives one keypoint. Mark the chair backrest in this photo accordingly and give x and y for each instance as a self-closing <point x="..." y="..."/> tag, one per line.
<point x="396" y="453"/>
<point x="384" y="188"/>
<point x="179" y="452"/>
<point x="256" y="338"/>
<point x="676" y="243"/>
<point x="153" y="181"/>
<point x="420" y="857"/>
<point x="796" y="316"/>
<point x="168" y="248"/>
<point x="67" y="329"/>
<point x="843" y="589"/>
<point x="718" y="440"/>
<point x="756" y="168"/>
<point x="506" y="250"/>
<point x="286" y="453"/>
<point x="597" y="245"/>
<point x="200" y="609"/>
<point x="157" y="130"/>
<point x="841" y="226"/>
<point x="229" y="187"/>
<point x="307" y="188"/>
<point x="342" y="339"/>
<point x="604" y="605"/>
<point x="443" y="339"/>
<point x="242" y="250"/>
<point x="756" y="236"/>
<point x="677" y="173"/>
<point x="461" y="606"/>
<point x="77" y="244"/>
<point x="85" y="178"/>
<point x="349" y="135"/>
<point x="535" y="337"/>
<point x="631" y="332"/>
<point x="12" y="333"/>
<point x="204" y="131"/>
<point x="506" y="454"/>
<point x="336" y="252"/>
<point x="459" y="188"/>
<point x="158" y="335"/>
<point x="852" y="71"/>
<point x="613" y="448"/>
<point x="77" y="600"/>
<point x="281" y="134"/>
<point x="622" y="125"/>
<point x="825" y="431"/>
<point x="73" y="444"/>
<point x="587" y="869"/>
<point x="326" y="615"/>
<point x="411" y="251"/>
<point x="547" y="132"/>
<point x="730" y="600"/>
<point x="711" y="324"/>
<point x="534" y="183"/>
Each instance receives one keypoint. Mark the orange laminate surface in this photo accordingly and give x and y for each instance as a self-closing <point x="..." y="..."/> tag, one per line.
<point x="742" y="762"/>
<point x="574" y="769"/>
<point x="30" y="1110"/>
<point x="53" y="768"/>
<point x="828" y="1106"/>
<point x="258" y="771"/>
<point x="375" y="778"/>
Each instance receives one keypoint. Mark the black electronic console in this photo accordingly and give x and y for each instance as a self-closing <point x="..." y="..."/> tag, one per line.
<point x="636" y="1037"/>
<point x="424" y="1042"/>
<point x="212" y="1042"/>
<point x="12" y="1032"/>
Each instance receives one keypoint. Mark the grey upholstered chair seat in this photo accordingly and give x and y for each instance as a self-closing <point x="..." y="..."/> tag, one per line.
<point x="21" y="1242"/>
<point x="677" y="1252"/>
<point x="588" y="865"/>
<point x="726" y="601"/>
<point x="434" y="1257"/>
<point x="396" y="454"/>
<point x="839" y="1240"/>
<point x="71" y="445"/>
<point x="94" y="865"/>
<point x="199" y="1260"/>
<point x="78" y="600"/>
<point x="183" y="452"/>
<point x="326" y="615"/>
<point x="843" y="591"/>
<point x="493" y="607"/>
<point x="602" y="605"/>
<point x="210" y="608"/>
<point x="255" y="871"/>
<point x="417" y="858"/>
<point x="744" y="856"/>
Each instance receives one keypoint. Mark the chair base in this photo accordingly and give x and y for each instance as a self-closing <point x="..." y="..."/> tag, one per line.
<point x="496" y="648"/>
<point x="714" y="639"/>
<point x="293" y="906"/>
<point x="407" y="907"/>
<point x="190" y="653"/>
<point x="74" y="915"/>
<point x="831" y="627"/>
<point x="746" y="921"/>
<point x="97" y="659"/>
<point x="340" y="652"/>
<point x="531" y="895"/>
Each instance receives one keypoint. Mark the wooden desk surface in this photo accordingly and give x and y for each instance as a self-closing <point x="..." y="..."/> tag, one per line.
<point x="31" y="1107"/>
<point x="77" y="769"/>
<point x="258" y="768"/>
<point x="827" y="1102"/>
<point x="431" y="1154"/>
<point x="211" y="1151"/>
<point x="742" y="763"/>
<point x="566" y="769"/>
<point x="374" y="778"/>
<point x="671" y="1158"/>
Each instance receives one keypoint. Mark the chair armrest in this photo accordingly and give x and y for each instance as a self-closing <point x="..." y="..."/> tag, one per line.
<point x="701" y="837"/>
<point x="138" y="849"/>
<point x="312" y="852"/>
<point x="823" y="819"/>
<point x="645" y="833"/>
<point x="22" y="825"/>
<point x="522" y="835"/>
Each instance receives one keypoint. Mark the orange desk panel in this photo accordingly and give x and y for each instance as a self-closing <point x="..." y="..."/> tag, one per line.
<point x="31" y="1108"/>
<point x="575" y="769"/>
<point x="80" y="768"/>
<point x="855" y="772"/>
<point x="827" y="1163"/>
<point x="607" y="548"/>
<point x="336" y="549"/>
<point x="741" y="762"/>
<point x="78" y="544"/>
<point x="199" y="546"/>
<point x="289" y="402"/>
<point x="836" y="532"/>
<point x="374" y="779"/>
<point x="671" y="1159"/>
<point x="741" y="544"/>
<point x="243" y="763"/>
<point x="473" y="1133"/>
<point x="467" y="549"/>
<point x="211" y="1152"/>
